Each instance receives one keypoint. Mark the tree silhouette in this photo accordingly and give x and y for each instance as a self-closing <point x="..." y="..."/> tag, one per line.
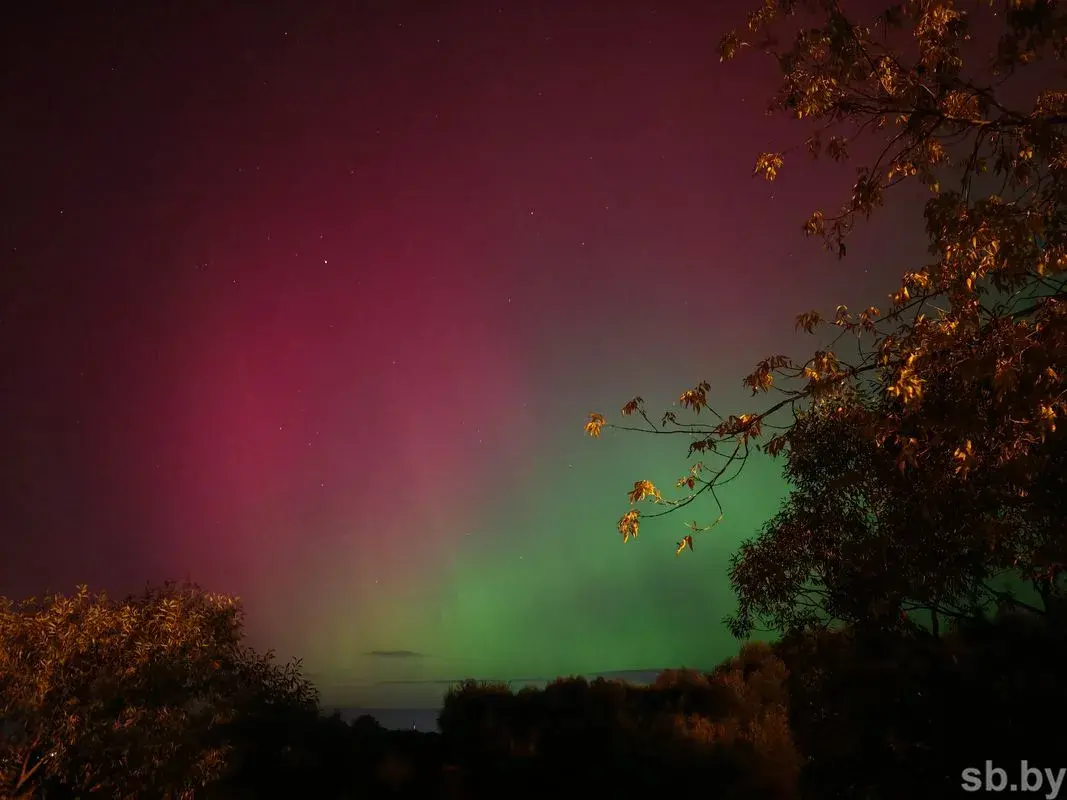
<point x="142" y="697"/>
<point x="930" y="467"/>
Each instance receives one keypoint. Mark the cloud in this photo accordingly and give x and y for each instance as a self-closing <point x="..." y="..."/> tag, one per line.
<point x="432" y="682"/>
<point x="395" y="654"/>
<point x="636" y="676"/>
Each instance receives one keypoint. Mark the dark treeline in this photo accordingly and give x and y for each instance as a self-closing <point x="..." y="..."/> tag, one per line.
<point x="98" y="709"/>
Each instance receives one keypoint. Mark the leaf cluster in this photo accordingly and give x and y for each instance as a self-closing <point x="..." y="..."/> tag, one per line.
<point x="127" y="698"/>
<point x="929" y="464"/>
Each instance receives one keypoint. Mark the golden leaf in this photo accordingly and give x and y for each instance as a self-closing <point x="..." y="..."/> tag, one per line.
<point x="749" y="425"/>
<point x="814" y="226"/>
<point x="686" y="543"/>
<point x="759" y="381"/>
<point x="964" y="458"/>
<point x="643" y="489"/>
<point x="629" y="524"/>
<point x="1047" y="415"/>
<point x="908" y="385"/>
<point x="595" y="423"/>
<point x="729" y="45"/>
<point x="867" y="318"/>
<point x="919" y="279"/>
<point x="697" y="397"/>
<point x="900" y="297"/>
<point x="768" y="165"/>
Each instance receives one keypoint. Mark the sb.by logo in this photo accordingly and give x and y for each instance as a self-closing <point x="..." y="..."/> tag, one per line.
<point x="1031" y="779"/>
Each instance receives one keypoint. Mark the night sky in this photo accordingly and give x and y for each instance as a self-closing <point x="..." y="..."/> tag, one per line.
<point x="309" y="301"/>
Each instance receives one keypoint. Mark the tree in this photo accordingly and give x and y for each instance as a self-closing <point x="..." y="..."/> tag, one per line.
<point x="143" y="697"/>
<point x="930" y="466"/>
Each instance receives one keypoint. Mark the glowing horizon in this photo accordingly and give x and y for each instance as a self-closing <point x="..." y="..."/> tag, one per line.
<point x="323" y="329"/>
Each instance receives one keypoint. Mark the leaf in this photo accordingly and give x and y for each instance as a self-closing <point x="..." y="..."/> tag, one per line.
<point x="814" y="226"/>
<point x="748" y="425"/>
<point x="701" y="445"/>
<point x="634" y="405"/>
<point x="808" y="321"/>
<point x="776" y="445"/>
<point x="643" y="489"/>
<point x="768" y="165"/>
<point x="759" y="381"/>
<point x="688" y="481"/>
<point x="685" y="544"/>
<point x="595" y="423"/>
<point x="629" y="524"/>
<point x="697" y="397"/>
<point x="728" y="46"/>
<point x="964" y="458"/>
<point x="837" y="148"/>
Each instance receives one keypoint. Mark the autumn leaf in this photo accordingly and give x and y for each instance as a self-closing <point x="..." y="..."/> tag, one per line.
<point x="728" y="46"/>
<point x="1047" y="415"/>
<point x="775" y="445"/>
<point x="697" y="397"/>
<point x="690" y="480"/>
<point x="759" y="381"/>
<point x="920" y="280"/>
<point x="643" y="489"/>
<point x="629" y="524"/>
<point x="634" y="405"/>
<point x="762" y="378"/>
<point x="814" y="226"/>
<point x="767" y="165"/>
<point x="700" y="446"/>
<point x="748" y="425"/>
<point x="595" y="423"/>
<point x="964" y="458"/>
<point x="901" y="296"/>
<point x="808" y="321"/>
<point x="837" y="148"/>
<point x="686" y="543"/>
<point x="842" y="318"/>
<point x="868" y="317"/>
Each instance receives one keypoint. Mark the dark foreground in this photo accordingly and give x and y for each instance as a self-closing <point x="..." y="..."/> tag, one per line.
<point x="852" y="714"/>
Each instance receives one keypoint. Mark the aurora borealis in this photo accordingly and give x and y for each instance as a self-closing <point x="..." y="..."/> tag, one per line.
<point x="308" y="302"/>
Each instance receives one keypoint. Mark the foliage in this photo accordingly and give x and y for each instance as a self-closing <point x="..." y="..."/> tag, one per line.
<point x="931" y="465"/>
<point x="729" y="728"/>
<point x="855" y="712"/>
<point x="142" y="697"/>
<point x="896" y="715"/>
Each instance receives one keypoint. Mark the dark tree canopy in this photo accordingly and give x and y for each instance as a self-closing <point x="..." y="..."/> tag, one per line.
<point x="137" y="698"/>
